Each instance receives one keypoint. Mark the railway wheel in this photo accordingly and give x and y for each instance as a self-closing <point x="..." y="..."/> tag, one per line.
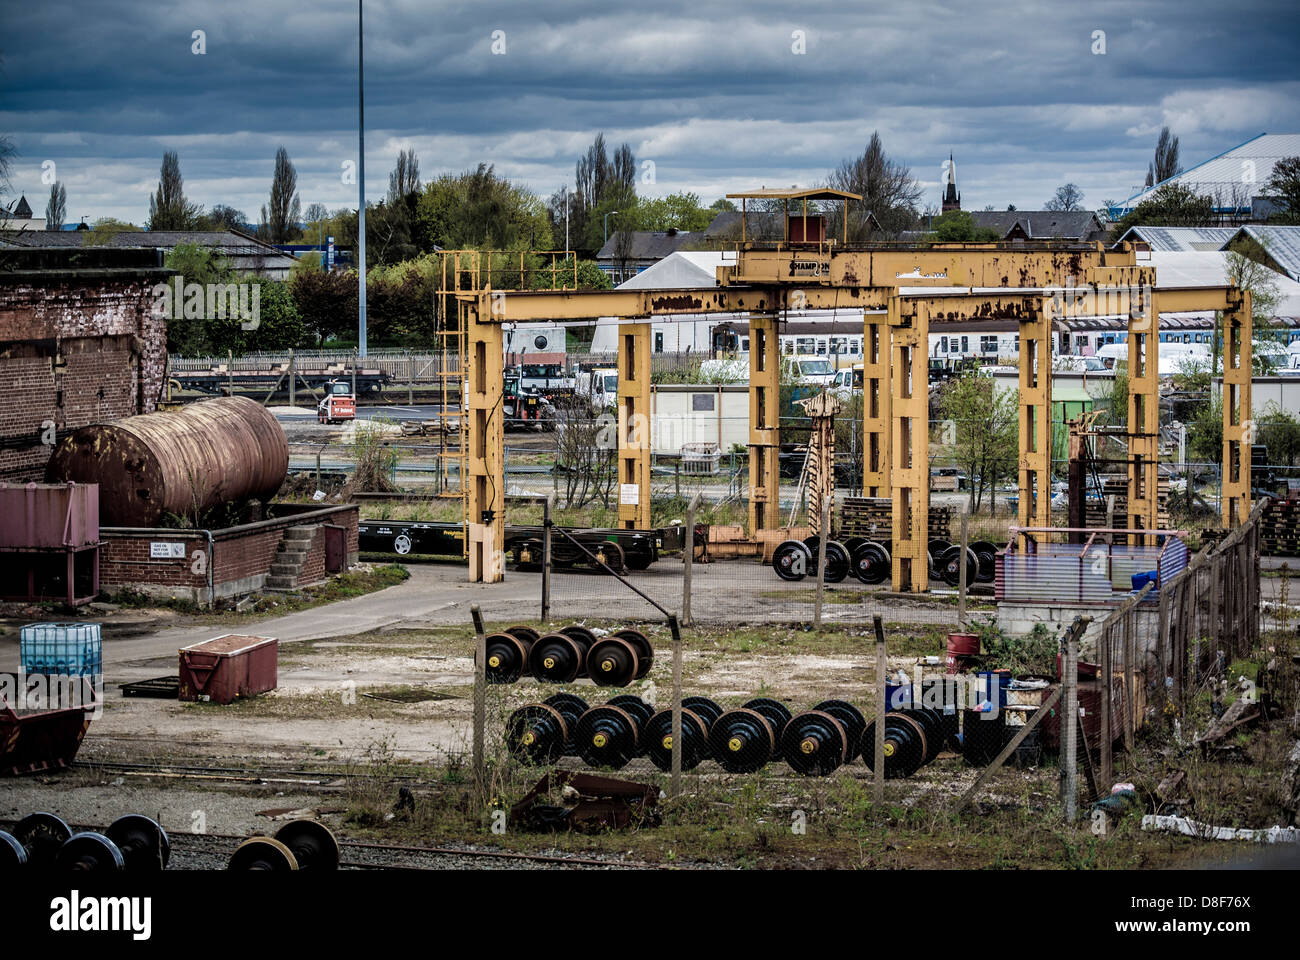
<point x="612" y="662"/>
<point x="905" y="746"/>
<point x="949" y="566"/>
<point x="402" y="544"/>
<point x="262" y="853"/>
<point x="814" y="744"/>
<point x="143" y="843"/>
<point x="571" y="707"/>
<point x="850" y="717"/>
<point x="932" y="724"/>
<point x="792" y="561"/>
<point x="742" y="741"/>
<point x="871" y="563"/>
<point x="777" y="713"/>
<point x="507" y="657"/>
<point x="645" y="651"/>
<point x="607" y="736"/>
<point x="611" y="555"/>
<point x="536" y="734"/>
<point x="41" y="835"/>
<point x="986" y="552"/>
<point x="12" y="853"/>
<point x="525" y="633"/>
<point x="659" y="739"/>
<point x="583" y="635"/>
<point x="837" y="561"/>
<point x="312" y="844"/>
<point x="90" y="853"/>
<point x="557" y="658"/>
<point x="937" y="546"/>
<point x="704" y="708"/>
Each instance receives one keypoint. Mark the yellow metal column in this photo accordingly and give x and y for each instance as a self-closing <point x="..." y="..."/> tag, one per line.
<point x="1035" y="420"/>
<point x="764" y="423"/>
<point x="909" y="445"/>
<point x="634" y="444"/>
<point x="1237" y="416"/>
<point x="876" y="425"/>
<point x="484" y="482"/>
<point x="1143" y="414"/>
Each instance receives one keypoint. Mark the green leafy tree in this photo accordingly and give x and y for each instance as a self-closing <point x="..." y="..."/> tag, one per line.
<point x="958" y="226"/>
<point x="980" y="433"/>
<point x="202" y="335"/>
<point x="1170" y="205"/>
<point x="280" y="326"/>
<point x="480" y="210"/>
<point x="280" y="217"/>
<point x="1283" y="185"/>
<point x="327" y="302"/>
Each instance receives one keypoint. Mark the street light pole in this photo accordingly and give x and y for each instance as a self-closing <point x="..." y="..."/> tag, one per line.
<point x="361" y="183"/>
<point x="611" y="213"/>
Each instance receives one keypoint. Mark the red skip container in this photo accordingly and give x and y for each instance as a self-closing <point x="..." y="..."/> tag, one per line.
<point x="225" y="668"/>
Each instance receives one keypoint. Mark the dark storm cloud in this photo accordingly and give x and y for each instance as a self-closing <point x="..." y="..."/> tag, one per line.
<point x="712" y="93"/>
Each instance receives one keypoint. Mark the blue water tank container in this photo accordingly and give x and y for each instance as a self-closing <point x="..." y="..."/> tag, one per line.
<point x="62" y="649"/>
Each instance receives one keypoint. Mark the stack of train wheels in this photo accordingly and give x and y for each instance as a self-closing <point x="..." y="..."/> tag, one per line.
<point x="795" y="559"/>
<point x="619" y="658"/>
<point x="298" y="845"/>
<point x="913" y="738"/>
<point x="745" y="740"/>
<point x="947" y="564"/>
<point x="507" y="653"/>
<point x="611" y="734"/>
<point x="541" y="733"/>
<point x="699" y="714"/>
<point x="869" y="560"/>
<point x="986" y="552"/>
<point x="561" y="657"/>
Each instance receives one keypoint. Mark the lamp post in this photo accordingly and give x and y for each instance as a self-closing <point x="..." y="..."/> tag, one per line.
<point x="361" y="184"/>
<point x="612" y="213"/>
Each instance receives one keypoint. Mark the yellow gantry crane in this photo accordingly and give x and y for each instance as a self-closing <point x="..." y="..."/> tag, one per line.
<point x="947" y="285"/>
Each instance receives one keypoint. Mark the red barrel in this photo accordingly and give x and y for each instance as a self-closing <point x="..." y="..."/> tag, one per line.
<point x="962" y="649"/>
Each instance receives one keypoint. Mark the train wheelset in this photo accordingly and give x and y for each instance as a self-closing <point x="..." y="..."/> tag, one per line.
<point x="43" y="842"/>
<point x="612" y="660"/>
<point x="945" y="561"/>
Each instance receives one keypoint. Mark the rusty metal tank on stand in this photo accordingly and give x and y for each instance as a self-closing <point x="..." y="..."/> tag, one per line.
<point x="216" y="451"/>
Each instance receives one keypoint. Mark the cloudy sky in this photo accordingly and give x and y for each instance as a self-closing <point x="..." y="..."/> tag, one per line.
<point x="716" y="95"/>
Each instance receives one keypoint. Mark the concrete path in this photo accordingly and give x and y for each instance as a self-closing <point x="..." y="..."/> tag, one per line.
<point x="434" y="594"/>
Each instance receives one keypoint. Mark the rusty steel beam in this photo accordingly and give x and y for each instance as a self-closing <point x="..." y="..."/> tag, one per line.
<point x="1035" y="433"/>
<point x="484" y="483"/>
<point x="634" y="442"/>
<point x="764" y="423"/>
<point x="909" y="444"/>
<point x="1144" y="417"/>
<point x="876" y="422"/>
<point x="1238" y="422"/>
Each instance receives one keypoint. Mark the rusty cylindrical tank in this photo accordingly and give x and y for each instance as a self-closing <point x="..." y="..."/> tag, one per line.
<point x="211" y="452"/>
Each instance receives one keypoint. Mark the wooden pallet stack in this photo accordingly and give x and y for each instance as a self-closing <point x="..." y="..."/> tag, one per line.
<point x="1117" y="486"/>
<point x="1279" y="529"/>
<point x="872" y="518"/>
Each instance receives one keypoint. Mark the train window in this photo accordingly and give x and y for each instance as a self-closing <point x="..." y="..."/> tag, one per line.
<point x="943" y="344"/>
<point x="659" y="343"/>
<point x="744" y="344"/>
<point x="965" y="344"/>
<point x="988" y="344"/>
<point x="821" y="348"/>
<point x="857" y="345"/>
<point x="787" y="346"/>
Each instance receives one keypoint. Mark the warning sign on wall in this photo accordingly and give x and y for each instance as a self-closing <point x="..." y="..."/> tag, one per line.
<point x="629" y="494"/>
<point x="161" y="550"/>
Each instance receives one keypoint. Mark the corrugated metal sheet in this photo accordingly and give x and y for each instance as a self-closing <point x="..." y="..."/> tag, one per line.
<point x="1062" y="573"/>
<point x="1223" y="173"/>
<point x="1180" y="239"/>
<point x="1282" y="244"/>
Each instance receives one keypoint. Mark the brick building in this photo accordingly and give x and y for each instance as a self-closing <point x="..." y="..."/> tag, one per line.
<point x="79" y="344"/>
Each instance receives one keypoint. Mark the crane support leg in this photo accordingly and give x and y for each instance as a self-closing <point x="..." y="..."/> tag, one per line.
<point x="876" y="421"/>
<point x="485" y="504"/>
<point x="1143" y="416"/>
<point x="1237" y="418"/>
<point x="634" y="443"/>
<point x="909" y="446"/>
<point x="764" y="423"/>
<point x="1035" y="420"/>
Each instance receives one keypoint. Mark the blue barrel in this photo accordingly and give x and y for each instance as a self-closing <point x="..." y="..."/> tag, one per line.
<point x="62" y="649"/>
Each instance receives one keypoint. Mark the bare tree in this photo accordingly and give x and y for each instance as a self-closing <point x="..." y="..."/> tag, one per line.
<point x="589" y="462"/>
<point x="280" y="219"/>
<point x="888" y="191"/>
<point x="1165" y="164"/>
<point x="56" y="210"/>
<point x="1068" y="197"/>
<point x="405" y="178"/>
<point x="168" y="208"/>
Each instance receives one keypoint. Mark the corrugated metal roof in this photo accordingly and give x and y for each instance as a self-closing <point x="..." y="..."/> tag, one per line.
<point x="1282" y="244"/>
<point x="1182" y="239"/>
<point x="1247" y="165"/>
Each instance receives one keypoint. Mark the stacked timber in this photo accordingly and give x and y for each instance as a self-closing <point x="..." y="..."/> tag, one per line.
<point x="1279" y="529"/>
<point x="1117" y="486"/>
<point x="873" y="519"/>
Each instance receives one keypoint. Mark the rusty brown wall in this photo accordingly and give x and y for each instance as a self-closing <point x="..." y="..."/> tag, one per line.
<point x="74" y="351"/>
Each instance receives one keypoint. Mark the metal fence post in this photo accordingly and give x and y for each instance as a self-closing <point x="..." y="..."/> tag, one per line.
<point x="688" y="559"/>
<point x="410" y="379"/>
<point x="1070" y="726"/>
<point x="961" y="583"/>
<point x="677" y="706"/>
<point x="293" y="379"/>
<point x="546" y="559"/>
<point x="823" y="535"/>
<point x="882" y="669"/>
<point x="1107" y="693"/>
<point x="480" y="694"/>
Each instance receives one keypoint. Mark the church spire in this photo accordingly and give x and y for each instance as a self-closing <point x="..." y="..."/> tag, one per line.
<point x="951" y="198"/>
